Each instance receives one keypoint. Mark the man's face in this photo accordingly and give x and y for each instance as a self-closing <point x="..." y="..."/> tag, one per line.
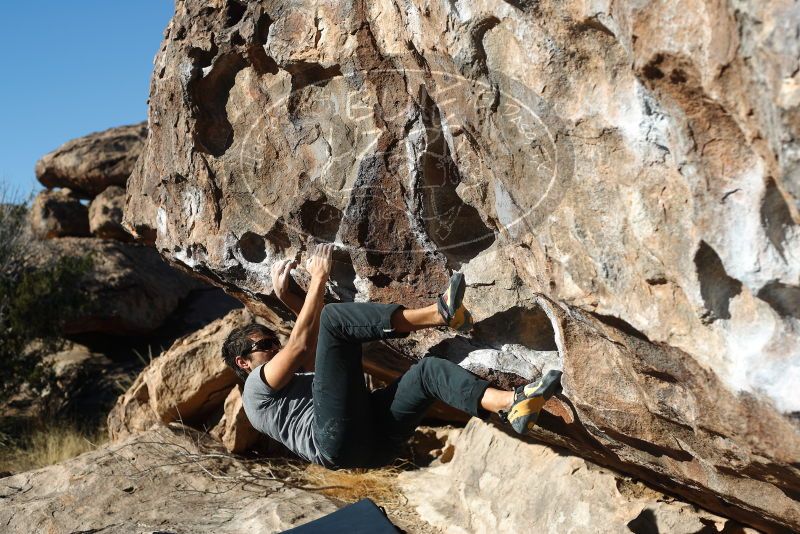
<point x="262" y="350"/>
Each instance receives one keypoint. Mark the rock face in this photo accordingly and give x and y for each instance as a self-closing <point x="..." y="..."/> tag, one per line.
<point x="479" y="490"/>
<point x="58" y="213"/>
<point x="133" y="291"/>
<point x="186" y="383"/>
<point x="89" y="164"/>
<point x="620" y="183"/>
<point x="168" y="479"/>
<point x="105" y="214"/>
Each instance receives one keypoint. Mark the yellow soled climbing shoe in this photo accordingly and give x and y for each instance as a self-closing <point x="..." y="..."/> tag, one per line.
<point x="528" y="401"/>
<point x="451" y="306"/>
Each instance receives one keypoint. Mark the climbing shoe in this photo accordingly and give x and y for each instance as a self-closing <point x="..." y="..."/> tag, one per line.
<point x="528" y="402"/>
<point x="451" y="307"/>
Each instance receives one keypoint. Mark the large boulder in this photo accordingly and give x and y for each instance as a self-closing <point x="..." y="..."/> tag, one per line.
<point x="479" y="490"/>
<point x="131" y="290"/>
<point x="89" y="164"/>
<point x="620" y="184"/>
<point x="167" y="479"/>
<point x="105" y="214"/>
<point x="187" y="383"/>
<point x="58" y="213"/>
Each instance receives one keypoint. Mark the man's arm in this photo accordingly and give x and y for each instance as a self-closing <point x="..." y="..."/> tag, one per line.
<point x="303" y="339"/>
<point x="293" y="299"/>
<point x="281" y="280"/>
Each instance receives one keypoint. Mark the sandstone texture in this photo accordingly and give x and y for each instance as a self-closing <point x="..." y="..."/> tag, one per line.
<point x="168" y="479"/>
<point x="186" y="383"/>
<point x="58" y="213"/>
<point x="479" y="491"/>
<point x="89" y="164"/>
<point x="131" y="289"/>
<point x="105" y="214"/>
<point x="619" y="181"/>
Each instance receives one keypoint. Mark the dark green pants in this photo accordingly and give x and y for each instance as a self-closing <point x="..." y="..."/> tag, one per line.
<point x="358" y="428"/>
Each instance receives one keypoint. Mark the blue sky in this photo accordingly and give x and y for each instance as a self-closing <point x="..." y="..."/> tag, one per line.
<point x="68" y="69"/>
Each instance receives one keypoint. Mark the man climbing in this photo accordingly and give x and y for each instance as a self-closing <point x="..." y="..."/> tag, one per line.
<point x="310" y="393"/>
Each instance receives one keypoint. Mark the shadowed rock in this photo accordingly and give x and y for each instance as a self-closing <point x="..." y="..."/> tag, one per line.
<point x="130" y="289"/>
<point x="58" y="213"/>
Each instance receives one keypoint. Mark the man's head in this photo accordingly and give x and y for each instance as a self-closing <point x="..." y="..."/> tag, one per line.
<point x="248" y="347"/>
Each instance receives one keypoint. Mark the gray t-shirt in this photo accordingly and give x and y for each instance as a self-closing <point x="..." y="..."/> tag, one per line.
<point x="286" y="415"/>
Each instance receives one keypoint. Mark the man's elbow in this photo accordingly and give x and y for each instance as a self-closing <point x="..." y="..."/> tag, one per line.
<point x="298" y="346"/>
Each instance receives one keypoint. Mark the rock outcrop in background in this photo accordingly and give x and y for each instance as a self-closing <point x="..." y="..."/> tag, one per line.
<point x="136" y="304"/>
<point x="133" y="290"/>
<point x="90" y="164"/>
<point x="620" y="183"/>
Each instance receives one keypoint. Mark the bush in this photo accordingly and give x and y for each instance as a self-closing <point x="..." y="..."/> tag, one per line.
<point x="34" y="303"/>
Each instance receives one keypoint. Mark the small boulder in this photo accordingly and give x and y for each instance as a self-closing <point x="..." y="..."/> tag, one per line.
<point x="85" y="381"/>
<point x="90" y="164"/>
<point x="58" y="213"/>
<point x="105" y="214"/>
<point x="234" y="429"/>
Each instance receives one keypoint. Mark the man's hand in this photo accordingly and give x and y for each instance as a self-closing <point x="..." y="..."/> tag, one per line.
<point x="280" y="277"/>
<point x="301" y="347"/>
<point x="319" y="264"/>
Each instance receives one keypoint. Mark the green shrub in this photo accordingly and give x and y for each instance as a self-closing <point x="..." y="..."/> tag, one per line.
<point x="34" y="303"/>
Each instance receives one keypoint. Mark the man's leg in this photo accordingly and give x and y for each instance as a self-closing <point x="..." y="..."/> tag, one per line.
<point x="401" y="406"/>
<point x="342" y="414"/>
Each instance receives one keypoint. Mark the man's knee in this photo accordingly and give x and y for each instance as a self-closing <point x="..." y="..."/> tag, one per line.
<point x="329" y="316"/>
<point x="429" y="366"/>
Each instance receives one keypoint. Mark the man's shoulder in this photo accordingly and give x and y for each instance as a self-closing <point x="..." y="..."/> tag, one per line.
<point x="255" y="387"/>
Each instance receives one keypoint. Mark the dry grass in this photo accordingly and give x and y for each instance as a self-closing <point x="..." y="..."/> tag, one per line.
<point x="348" y="486"/>
<point x="43" y="445"/>
<point x="351" y="485"/>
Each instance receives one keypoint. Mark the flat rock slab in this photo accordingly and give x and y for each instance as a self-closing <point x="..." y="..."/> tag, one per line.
<point x="168" y="479"/>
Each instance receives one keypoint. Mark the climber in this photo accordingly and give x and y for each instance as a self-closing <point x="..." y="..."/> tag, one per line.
<point x="310" y="393"/>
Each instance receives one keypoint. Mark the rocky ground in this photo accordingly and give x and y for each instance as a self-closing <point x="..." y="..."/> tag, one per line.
<point x="168" y="479"/>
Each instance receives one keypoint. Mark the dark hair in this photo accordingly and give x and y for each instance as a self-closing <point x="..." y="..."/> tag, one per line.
<point x="238" y="343"/>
